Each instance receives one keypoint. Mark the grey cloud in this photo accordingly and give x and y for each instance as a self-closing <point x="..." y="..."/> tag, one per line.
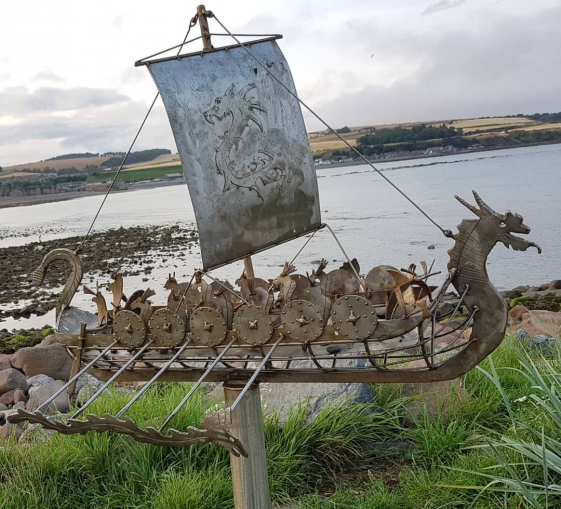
<point x="112" y="128"/>
<point x="47" y="75"/>
<point x="21" y="101"/>
<point x="506" y="67"/>
<point x="442" y="6"/>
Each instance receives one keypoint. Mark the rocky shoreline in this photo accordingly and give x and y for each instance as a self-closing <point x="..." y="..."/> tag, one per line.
<point x="135" y="251"/>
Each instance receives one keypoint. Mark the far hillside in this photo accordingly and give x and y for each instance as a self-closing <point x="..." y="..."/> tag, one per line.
<point x="73" y="163"/>
<point x="434" y="137"/>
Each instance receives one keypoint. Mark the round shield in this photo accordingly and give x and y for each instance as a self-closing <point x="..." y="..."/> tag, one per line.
<point x="208" y="327"/>
<point x="354" y="317"/>
<point x="302" y="320"/>
<point x="253" y="325"/>
<point x="129" y="328"/>
<point x="167" y="328"/>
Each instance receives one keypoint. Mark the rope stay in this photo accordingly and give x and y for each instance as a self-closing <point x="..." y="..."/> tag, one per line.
<point x="192" y="23"/>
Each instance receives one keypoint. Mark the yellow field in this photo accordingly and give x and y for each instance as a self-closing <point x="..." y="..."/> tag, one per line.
<point x="164" y="160"/>
<point x="485" y="124"/>
<point x="538" y="127"/>
<point x="147" y="166"/>
<point x="80" y="163"/>
<point x="321" y="146"/>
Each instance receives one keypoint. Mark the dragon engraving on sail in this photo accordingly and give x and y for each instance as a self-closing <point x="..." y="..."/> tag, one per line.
<point x="249" y="159"/>
<point x="241" y="137"/>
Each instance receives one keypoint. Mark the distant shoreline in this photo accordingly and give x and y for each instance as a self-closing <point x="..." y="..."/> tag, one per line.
<point x="56" y="197"/>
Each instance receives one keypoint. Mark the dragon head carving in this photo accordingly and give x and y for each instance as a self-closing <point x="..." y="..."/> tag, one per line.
<point x="500" y="227"/>
<point x="232" y="104"/>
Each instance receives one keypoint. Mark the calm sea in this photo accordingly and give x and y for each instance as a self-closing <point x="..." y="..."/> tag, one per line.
<point x="373" y="221"/>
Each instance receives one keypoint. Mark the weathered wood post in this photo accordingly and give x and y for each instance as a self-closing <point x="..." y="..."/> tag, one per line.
<point x="249" y="475"/>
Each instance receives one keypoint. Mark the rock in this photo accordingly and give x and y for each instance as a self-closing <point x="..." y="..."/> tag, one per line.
<point x="333" y="348"/>
<point x="12" y="379"/>
<point x="283" y="397"/>
<point x="5" y="361"/>
<point x="38" y="395"/>
<point x="515" y="314"/>
<point x="86" y="387"/>
<point x="87" y="380"/>
<point x="538" y="322"/>
<point x="72" y="318"/>
<point x="543" y="344"/>
<point x="35" y="432"/>
<point x="18" y="405"/>
<point x="555" y="285"/>
<point x="48" y="340"/>
<point x="8" y="398"/>
<point x="19" y="395"/>
<point x="431" y="246"/>
<point x="433" y="398"/>
<point x="39" y="380"/>
<point x="8" y="430"/>
<point x="548" y="321"/>
<point x="52" y="360"/>
<point x="3" y="407"/>
<point x="522" y="334"/>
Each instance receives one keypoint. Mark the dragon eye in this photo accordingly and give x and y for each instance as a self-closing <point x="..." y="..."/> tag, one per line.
<point x="217" y="101"/>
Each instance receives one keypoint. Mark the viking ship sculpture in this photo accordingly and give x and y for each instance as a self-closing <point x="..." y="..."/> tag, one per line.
<point x="241" y="137"/>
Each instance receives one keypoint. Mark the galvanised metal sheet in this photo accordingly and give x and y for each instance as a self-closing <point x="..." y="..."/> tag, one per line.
<point x="244" y="149"/>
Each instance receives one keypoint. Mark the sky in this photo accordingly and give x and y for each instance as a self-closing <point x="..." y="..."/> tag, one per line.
<point x="68" y="81"/>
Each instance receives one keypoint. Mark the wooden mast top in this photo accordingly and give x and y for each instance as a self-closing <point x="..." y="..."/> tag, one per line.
<point x="202" y="14"/>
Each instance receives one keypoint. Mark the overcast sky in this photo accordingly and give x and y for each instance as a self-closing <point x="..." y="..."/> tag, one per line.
<point x="68" y="81"/>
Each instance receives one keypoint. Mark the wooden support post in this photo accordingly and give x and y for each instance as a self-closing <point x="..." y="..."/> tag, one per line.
<point x="248" y="266"/>
<point x="249" y="475"/>
<point x="78" y="359"/>
<point x="203" y="24"/>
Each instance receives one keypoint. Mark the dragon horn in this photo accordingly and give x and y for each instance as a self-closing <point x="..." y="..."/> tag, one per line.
<point x="477" y="212"/>
<point x="230" y="91"/>
<point x="484" y="207"/>
<point x="257" y="122"/>
<point x="246" y="89"/>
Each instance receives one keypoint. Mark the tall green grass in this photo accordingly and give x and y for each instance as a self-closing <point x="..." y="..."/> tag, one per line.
<point x="527" y="455"/>
<point x="497" y="445"/>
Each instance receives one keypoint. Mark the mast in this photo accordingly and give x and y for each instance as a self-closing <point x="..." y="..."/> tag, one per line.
<point x="207" y="45"/>
<point x="249" y="475"/>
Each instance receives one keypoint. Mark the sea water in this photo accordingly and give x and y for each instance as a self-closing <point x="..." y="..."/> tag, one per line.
<point x="373" y="221"/>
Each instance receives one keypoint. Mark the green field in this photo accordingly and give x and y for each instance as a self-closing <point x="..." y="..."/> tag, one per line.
<point x="136" y="175"/>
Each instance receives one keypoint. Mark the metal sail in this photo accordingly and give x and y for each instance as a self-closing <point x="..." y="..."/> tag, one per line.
<point x="244" y="148"/>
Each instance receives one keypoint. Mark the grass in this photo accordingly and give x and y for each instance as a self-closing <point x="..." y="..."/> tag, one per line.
<point x="137" y="175"/>
<point x="497" y="445"/>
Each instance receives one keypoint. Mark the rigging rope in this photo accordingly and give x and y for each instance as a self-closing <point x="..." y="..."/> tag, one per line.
<point x="447" y="233"/>
<point x="192" y="23"/>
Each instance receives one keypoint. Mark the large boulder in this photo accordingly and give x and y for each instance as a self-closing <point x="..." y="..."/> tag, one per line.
<point x="434" y="400"/>
<point x="39" y="394"/>
<point x="51" y="360"/>
<point x="12" y="397"/>
<point x="38" y="380"/>
<point x="515" y="314"/>
<point x="282" y="398"/>
<point x="538" y="322"/>
<point x="11" y="379"/>
<point x="5" y="361"/>
<point x="8" y="430"/>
